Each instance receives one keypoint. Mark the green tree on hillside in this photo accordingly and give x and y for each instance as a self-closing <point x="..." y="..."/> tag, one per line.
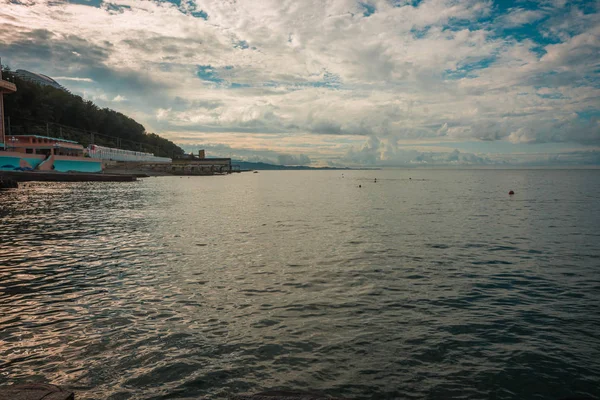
<point x="36" y="109"/>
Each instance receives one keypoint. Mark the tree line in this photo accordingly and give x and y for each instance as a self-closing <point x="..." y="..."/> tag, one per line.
<point x="45" y="110"/>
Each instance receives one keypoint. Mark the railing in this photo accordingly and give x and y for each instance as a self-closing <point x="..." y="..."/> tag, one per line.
<point x="26" y="126"/>
<point x="108" y="153"/>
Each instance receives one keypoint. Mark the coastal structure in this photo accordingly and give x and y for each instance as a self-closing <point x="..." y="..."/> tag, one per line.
<point x="40" y="79"/>
<point x="112" y="154"/>
<point x="33" y="152"/>
<point x="191" y="164"/>
<point x="43" y="153"/>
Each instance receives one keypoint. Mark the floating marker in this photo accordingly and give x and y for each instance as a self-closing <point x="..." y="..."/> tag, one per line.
<point x="511" y="193"/>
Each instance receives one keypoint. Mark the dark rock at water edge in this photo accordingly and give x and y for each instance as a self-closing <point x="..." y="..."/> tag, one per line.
<point x="8" y="183"/>
<point x="35" y="391"/>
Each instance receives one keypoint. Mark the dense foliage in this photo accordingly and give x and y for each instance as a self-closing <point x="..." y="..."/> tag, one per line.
<point x="44" y="110"/>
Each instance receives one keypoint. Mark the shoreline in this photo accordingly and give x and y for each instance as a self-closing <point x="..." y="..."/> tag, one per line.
<point x="40" y="176"/>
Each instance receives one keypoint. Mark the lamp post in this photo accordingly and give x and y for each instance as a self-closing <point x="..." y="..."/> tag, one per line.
<point x="12" y="141"/>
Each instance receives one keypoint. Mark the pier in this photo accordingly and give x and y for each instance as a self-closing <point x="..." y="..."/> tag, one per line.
<point x="40" y="176"/>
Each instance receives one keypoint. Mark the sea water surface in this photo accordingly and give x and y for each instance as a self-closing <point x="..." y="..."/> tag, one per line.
<point x="427" y="284"/>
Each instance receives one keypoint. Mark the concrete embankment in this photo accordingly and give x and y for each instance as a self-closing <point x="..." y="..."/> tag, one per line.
<point x="140" y="173"/>
<point x="39" y="176"/>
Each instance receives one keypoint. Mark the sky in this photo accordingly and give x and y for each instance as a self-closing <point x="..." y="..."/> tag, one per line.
<point x="388" y="83"/>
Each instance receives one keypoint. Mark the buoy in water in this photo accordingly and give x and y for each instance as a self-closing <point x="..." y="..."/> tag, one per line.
<point x="511" y="193"/>
<point x="359" y="186"/>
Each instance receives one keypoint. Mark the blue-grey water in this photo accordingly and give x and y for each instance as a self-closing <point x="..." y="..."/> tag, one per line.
<point x="426" y="284"/>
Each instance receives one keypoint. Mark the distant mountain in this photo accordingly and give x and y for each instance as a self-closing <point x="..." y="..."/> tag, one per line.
<point x="260" y="166"/>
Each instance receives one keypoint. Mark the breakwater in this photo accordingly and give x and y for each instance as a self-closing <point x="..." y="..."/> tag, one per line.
<point x="40" y="176"/>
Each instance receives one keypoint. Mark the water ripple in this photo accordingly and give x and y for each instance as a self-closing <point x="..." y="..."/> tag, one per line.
<point x="435" y="287"/>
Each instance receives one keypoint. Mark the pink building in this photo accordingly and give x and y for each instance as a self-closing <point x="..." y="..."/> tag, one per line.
<point x="33" y="152"/>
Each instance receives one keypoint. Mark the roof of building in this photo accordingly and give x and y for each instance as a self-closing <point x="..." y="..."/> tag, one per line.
<point x="39" y="78"/>
<point x="36" y="75"/>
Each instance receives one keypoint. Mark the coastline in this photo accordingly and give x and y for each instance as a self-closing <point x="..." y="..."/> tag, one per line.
<point x="41" y="176"/>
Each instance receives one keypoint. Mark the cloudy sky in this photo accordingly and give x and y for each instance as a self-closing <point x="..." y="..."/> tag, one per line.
<point x="332" y="82"/>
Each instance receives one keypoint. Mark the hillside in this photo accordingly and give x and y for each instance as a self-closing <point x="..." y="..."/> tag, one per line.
<point x="44" y="110"/>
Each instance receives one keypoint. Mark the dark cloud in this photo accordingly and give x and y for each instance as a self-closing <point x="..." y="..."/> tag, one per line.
<point x="159" y="46"/>
<point x="290" y="159"/>
<point x="386" y="152"/>
<point x="327" y="127"/>
<point x="43" y="50"/>
<point x="181" y="104"/>
<point x="134" y="83"/>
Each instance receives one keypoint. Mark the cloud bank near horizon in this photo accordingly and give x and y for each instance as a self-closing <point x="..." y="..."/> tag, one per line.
<point x="333" y="82"/>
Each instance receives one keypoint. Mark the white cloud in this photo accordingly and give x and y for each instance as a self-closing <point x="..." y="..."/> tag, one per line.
<point x="521" y="135"/>
<point x="118" y="98"/>
<point x="519" y="16"/>
<point x="162" y="113"/>
<point x="580" y="52"/>
<point x="73" y="79"/>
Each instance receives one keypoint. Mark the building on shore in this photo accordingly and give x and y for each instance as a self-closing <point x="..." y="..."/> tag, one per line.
<point x="191" y="164"/>
<point x="42" y="153"/>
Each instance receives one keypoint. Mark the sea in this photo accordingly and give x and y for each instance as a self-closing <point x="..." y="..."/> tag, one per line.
<point x="423" y="284"/>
